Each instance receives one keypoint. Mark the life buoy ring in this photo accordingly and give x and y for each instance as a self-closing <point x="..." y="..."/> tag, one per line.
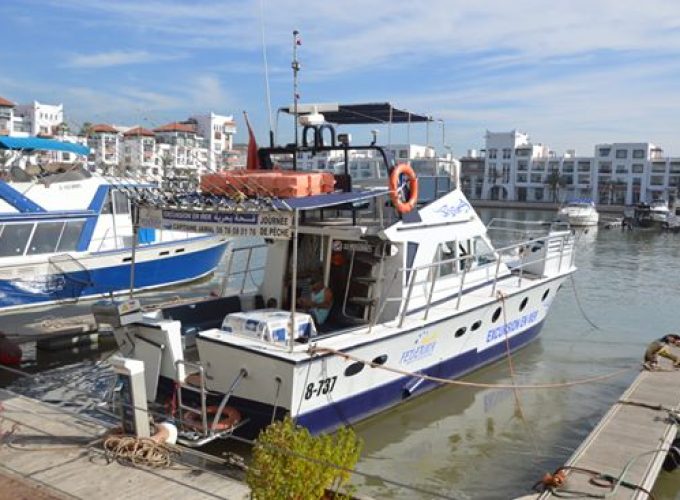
<point x="230" y="417"/>
<point x="397" y="189"/>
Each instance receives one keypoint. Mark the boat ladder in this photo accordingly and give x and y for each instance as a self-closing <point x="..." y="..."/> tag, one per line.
<point x="362" y="287"/>
<point x="206" y="431"/>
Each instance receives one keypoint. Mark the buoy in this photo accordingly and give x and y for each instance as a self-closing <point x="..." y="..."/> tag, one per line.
<point x="403" y="205"/>
<point x="10" y="352"/>
<point x="229" y="418"/>
<point x="166" y="433"/>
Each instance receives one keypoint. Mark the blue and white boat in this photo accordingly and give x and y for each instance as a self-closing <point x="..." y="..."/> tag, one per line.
<point x="418" y="291"/>
<point x="68" y="236"/>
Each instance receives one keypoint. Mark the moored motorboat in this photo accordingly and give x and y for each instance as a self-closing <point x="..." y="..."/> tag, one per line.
<point x="68" y="235"/>
<point x="579" y="213"/>
<point x="419" y="295"/>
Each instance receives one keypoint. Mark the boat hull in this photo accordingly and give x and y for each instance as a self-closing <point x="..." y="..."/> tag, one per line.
<point x="100" y="274"/>
<point x="358" y="392"/>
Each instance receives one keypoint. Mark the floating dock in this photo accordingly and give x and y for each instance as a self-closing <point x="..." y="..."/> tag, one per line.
<point x="627" y="448"/>
<point x="57" y="455"/>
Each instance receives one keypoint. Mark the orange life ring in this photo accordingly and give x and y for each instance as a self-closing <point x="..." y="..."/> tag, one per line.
<point x="403" y="206"/>
<point x="230" y="417"/>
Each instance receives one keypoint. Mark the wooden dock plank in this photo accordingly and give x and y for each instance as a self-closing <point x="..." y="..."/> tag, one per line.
<point x="634" y="435"/>
<point x="62" y="461"/>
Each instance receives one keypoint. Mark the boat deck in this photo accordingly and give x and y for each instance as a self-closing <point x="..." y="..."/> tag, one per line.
<point x="630" y="442"/>
<point x="54" y="449"/>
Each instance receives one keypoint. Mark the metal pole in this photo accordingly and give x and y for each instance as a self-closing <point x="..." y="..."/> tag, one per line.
<point x="293" y="284"/>
<point x="296" y="68"/>
<point x="135" y="234"/>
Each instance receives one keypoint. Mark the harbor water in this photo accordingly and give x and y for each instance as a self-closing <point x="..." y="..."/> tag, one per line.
<point x="462" y="442"/>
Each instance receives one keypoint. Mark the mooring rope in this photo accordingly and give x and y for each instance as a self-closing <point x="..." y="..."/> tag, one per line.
<point x="553" y="385"/>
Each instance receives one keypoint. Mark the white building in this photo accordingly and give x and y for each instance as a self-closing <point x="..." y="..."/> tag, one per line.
<point x="37" y="118"/>
<point x="139" y="154"/>
<point x="6" y="116"/>
<point x="180" y="153"/>
<point x="218" y="132"/>
<point x="104" y="143"/>
<point x="515" y="169"/>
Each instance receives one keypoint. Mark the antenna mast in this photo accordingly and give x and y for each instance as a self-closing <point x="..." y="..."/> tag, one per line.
<point x="266" y="77"/>
<point x="296" y="68"/>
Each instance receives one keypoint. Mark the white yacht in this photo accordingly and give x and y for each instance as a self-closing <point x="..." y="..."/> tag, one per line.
<point x="579" y="213"/>
<point x="659" y="210"/>
<point x="418" y="292"/>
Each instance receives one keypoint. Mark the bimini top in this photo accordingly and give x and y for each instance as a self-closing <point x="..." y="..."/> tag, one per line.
<point x="40" y="144"/>
<point x="362" y="114"/>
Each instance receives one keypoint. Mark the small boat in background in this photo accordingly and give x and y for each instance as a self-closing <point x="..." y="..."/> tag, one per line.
<point x="579" y="213"/>
<point x="68" y="235"/>
<point x="659" y="210"/>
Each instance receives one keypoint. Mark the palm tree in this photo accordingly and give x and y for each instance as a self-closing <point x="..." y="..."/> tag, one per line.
<point x="85" y="129"/>
<point x="555" y="182"/>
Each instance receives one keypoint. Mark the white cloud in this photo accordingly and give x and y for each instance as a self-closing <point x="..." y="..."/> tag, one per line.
<point x="205" y="93"/>
<point x="115" y="58"/>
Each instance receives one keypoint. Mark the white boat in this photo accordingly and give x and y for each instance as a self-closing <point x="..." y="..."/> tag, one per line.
<point x="416" y="293"/>
<point x="659" y="210"/>
<point x="69" y="236"/>
<point x="579" y="213"/>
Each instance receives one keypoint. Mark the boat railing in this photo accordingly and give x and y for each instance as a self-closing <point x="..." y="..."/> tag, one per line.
<point x="531" y="256"/>
<point x="248" y="269"/>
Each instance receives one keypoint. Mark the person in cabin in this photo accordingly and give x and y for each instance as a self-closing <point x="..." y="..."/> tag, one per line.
<point x="660" y="347"/>
<point x="318" y="303"/>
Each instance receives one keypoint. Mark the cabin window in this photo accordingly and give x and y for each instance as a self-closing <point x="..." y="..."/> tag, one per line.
<point x="107" y="208"/>
<point x="45" y="237"/>
<point x="445" y="255"/>
<point x="120" y="202"/>
<point x="482" y="251"/>
<point x="70" y="236"/>
<point x="14" y="238"/>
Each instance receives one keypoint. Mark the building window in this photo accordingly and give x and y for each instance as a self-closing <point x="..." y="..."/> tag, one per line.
<point x="656" y="180"/>
<point x="621" y="153"/>
<point x="638" y="153"/>
<point x="605" y="151"/>
<point x="621" y="169"/>
<point x="605" y="167"/>
<point x="658" y="168"/>
<point x="584" y="166"/>
<point x="638" y="168"/>
<point x="507" y="152"/>
<point x="568" y="167"/>
<point x="403" y="153"/>
<point x="538" y="194"/>
<point x="492" y="153"/>
<point x="522" y="166"/>
<point x="538" y="166"/>
<point x="536" y="178"/>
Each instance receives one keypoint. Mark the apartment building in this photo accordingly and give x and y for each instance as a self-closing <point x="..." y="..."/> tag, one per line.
<point x="37" y="118"/>
<point x="139" y="154"/>
<point x="218" y="132"/>
<point x="181" y="152"/>
<point x="6" y="116"/>
<point x="516" y="169"/>
<point x="104" y="143"/>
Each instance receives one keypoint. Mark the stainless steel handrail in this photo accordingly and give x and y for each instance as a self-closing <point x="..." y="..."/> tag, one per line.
<point x="564" y="246"/>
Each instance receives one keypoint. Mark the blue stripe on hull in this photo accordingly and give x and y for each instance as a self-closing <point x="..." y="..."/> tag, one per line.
<point x="371" y="402"/>
<point x="157" y="272"/>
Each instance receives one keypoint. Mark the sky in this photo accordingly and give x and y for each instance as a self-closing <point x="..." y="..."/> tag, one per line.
<point x="570" y="73"/>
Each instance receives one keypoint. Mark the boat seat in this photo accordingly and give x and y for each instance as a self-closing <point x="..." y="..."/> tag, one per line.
<point x="203" y="315"/>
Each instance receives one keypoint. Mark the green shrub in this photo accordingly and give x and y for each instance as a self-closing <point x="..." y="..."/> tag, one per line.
<point x="290" y="463"/>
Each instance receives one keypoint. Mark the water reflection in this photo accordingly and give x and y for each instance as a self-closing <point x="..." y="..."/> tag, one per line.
<point x="483" y="443"/>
